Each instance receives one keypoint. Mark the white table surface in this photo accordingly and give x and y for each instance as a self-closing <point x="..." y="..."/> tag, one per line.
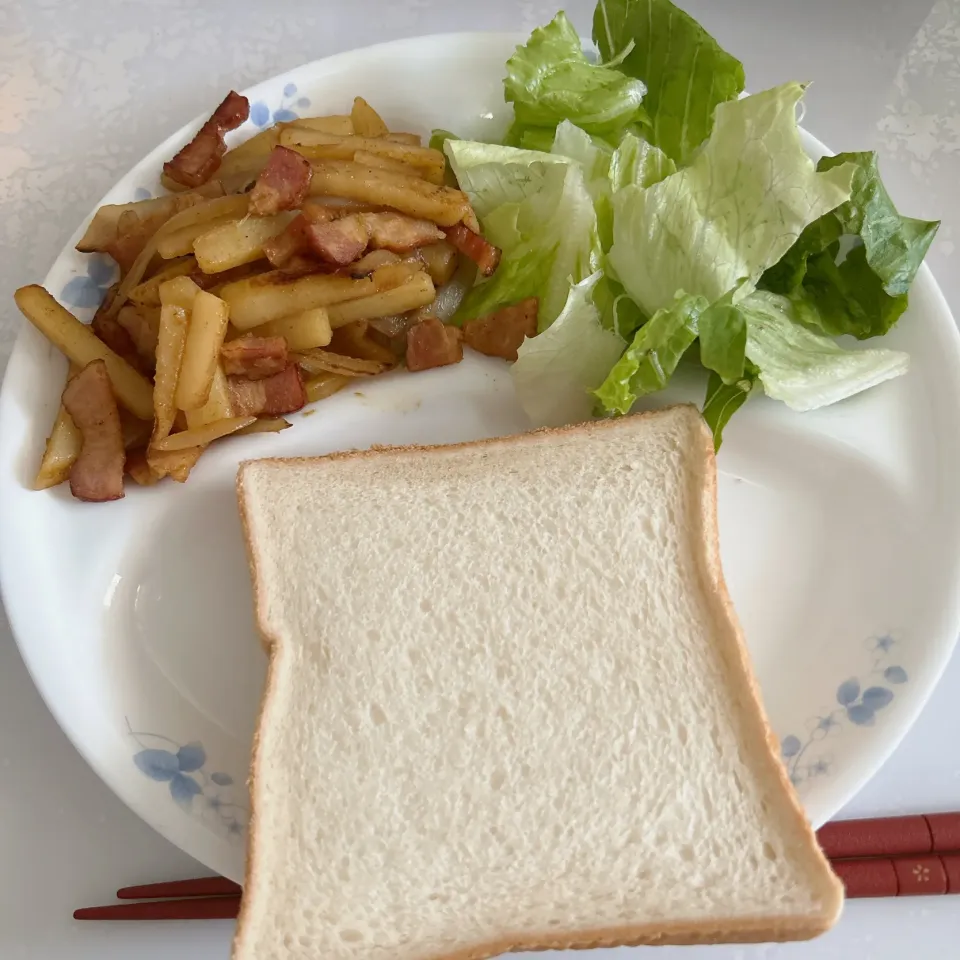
<point x="86" y="88"/>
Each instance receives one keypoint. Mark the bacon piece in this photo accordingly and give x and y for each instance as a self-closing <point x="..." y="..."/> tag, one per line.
<point x="110" y="331"/>
<point x="254" y="357"/>
<point x="340" y="241"/>
<point x="97" y="474"/>
<point x="283" y="183"/>
<point x="432" y="344"/>
<point x="196" y="162"/>
<point x="484" y="254"/>
<point x="287" y="244"/>
<point x="273" y="396"/>
<point x="399" y="233"/>
<point x="501" y="333"/>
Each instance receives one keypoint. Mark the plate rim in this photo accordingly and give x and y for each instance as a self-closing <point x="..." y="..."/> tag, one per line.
<point x="197" y="840"/>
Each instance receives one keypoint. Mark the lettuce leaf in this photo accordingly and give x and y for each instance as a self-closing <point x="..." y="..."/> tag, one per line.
<point x="548" y="236"/>
<point x="686" y="72"/>
<point x="723" y="400"/>
<point x="649" y="362"/>
<point x="865" y="293"/>
<point x="802" y="368"/>
<point x="549" y="80"/>
<point x="439" y="137"/>
<point x="556" y="371"/>
<point x="618" y="312"/>
<point x="723" y="339"/>
<point x="635" y="161"/>
<point x="731" y="214"/>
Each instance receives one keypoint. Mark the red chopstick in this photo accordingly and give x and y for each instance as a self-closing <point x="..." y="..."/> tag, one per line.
<point x="201" y="887"/>
<point x="195" y="908"/>
<point x="925" y="875"/>
<point x="891" y="836"/>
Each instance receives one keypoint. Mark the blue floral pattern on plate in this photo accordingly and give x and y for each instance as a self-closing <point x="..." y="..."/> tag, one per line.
<point x="859" y="700"/>
<point x="262" y="116"/>
<point x="183" y="767"/>
<point x="88" y="290"/>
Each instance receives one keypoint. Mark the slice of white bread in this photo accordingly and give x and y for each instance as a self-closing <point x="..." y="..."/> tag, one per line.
<point x="509" y="706"/>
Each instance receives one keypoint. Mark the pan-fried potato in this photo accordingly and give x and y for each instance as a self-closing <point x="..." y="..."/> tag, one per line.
<point x="180" y="242"/>
<point x="147" y="294"/>
<point x="218" y="281"/>
<point x="201" y="436"/>
<point x="302" y="331"/>
<point x="323" y="361"/>
<point x="440" y="260"/>
<point x="366" y="121"/>
<point x="339" y="125"/>
<point x="242" y="165"/>
<point x="82" y="346"/>
<point x="411" y="139"/>
<point x="392" y="275"/>
<point x="60" y="453"/>
<point x="174" y="463"/>
<point x="259" y="145"/>
<point x="237" y="242"/>
<point x="270" y="296"/>
<point x="324" y="385"/>
<point x="201" y="352"/>
<point x="411" y="195"/>
<point x="265" y="425"/>
<point x="106" y="223"/>
<point x="178" y="292"/>
<point x="210" y="210"/>
<point x="218" y="406"/>
<point x="170" y="344"/>
<point x="416" y="292"/>
<point x="385" y="163"/>
<point x="429" y="164"/>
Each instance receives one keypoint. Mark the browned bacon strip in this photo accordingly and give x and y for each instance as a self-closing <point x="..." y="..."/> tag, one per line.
<point x="283" y="183"/>
<point x="485" y="255"/>
<point x="271" y="397"/>
<point x="254" y="357"/>
<point x="431" y="344"/>
<point x="502" y="333"/>
<point x="339" y="241"/>
<point x="97" y="474"/>
<point x="196" y="162"/>
<point x="280" y="249"/>
<point x="399" y="233"/>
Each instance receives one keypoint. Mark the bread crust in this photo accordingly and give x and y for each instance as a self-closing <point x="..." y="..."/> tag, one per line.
<point x="739" y="930"/>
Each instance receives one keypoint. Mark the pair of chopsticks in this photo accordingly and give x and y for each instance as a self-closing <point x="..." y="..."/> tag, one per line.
<point x="887" y="857"/>
<point x="206" y="898"/>
<point x="895" y="856"/>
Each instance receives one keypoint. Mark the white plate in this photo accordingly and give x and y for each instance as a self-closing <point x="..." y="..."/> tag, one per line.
<point x="840" y="529"/>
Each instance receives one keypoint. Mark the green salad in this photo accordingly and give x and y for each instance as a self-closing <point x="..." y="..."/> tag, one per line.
<point x="661" y="216"/>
